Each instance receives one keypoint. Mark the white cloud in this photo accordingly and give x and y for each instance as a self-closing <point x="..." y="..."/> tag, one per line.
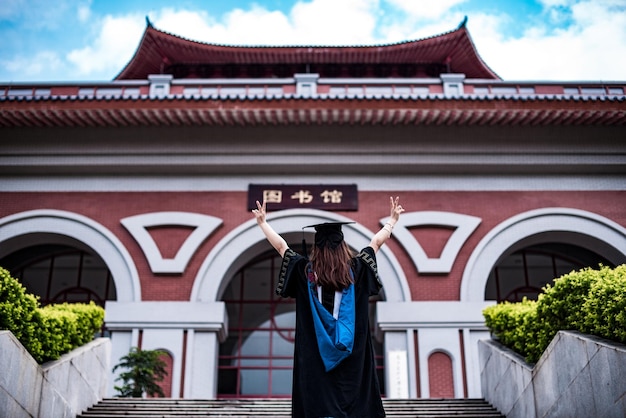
<point x="590" y="45"/>
<point x="112" y="49"/>
<point x="593" y="46"/>
<point x="427" y="9"/>
<point x="259" y="26"/>
<point x="194" y="25"/>
<point x="556" y="3"/>
<point x="408" y="30"/>
<point x="83" y="12"/>
<point x="237" y="27"/>
<point x="41" y="63"/>
<point x="36" y="14"/>
<point x="332" y="22"/>
<point x="256" y="27"/>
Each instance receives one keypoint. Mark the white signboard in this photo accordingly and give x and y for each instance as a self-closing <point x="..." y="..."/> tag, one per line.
<point x="398" y="375"/>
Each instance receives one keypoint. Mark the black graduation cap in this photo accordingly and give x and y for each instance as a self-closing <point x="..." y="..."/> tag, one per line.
<point x="328" y="234"/>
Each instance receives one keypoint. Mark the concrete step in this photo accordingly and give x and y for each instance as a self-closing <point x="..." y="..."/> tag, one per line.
<point x="278" y="408"/>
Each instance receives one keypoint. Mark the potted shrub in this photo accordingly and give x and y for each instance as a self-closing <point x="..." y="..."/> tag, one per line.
<point x="145" y="369"/>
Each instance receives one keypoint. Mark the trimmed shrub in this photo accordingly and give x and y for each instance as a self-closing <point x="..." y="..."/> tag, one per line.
<point x="46" y="332"/>
<point x="605" y="310"/>
<point x="589" y="301"/>
<point x="559" y="306"/>
<point x="57" y="333"/>
<point x="19" y="313"/>
<point x="515" y="325"/>
<point x="89" y="318"/>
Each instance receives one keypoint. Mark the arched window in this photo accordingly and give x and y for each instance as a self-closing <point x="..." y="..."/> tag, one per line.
<point x="166" y="383"/>
<point x="61" y="273"/>
<point x="525" y="272"/>
<point x="440" y="377"/>
<point x="256" y="360"/>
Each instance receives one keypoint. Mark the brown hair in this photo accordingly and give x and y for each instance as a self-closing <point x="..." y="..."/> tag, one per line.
<point x="332" y="266"/>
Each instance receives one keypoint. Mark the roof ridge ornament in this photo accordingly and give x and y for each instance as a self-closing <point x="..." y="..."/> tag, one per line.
<point x="463" y="23"/>
<point x="150" y="25"/>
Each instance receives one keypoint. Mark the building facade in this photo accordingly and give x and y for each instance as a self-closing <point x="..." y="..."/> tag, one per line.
<point x="136" y="193"/>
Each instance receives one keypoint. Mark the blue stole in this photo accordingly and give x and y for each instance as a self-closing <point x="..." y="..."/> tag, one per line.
<point x="335" y="337"/>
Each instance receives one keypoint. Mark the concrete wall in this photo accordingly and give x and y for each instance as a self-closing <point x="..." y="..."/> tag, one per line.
<point x="577" y="376"/>
<point x="57" y="389"/>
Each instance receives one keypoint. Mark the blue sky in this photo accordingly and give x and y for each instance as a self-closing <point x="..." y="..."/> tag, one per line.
<point x="76" y="40"/>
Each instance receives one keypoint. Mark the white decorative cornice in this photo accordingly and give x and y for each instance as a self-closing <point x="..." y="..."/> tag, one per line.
<point x="463" y="226"/>
<point x="400" y="316"/>
<point x="138" y="227"/>
<point x="199" y="316"/>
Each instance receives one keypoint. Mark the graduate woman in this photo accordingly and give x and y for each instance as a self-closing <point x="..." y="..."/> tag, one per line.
<point x="334" y="372"/>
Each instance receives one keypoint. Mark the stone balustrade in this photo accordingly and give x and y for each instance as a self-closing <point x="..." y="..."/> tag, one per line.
<point x="60" y="389"/>
<point x="577" y="376"/>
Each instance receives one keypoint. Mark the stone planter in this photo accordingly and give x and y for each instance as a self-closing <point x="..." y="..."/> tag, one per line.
<point x="577" y="376"/>
<point x="60" y="389"/>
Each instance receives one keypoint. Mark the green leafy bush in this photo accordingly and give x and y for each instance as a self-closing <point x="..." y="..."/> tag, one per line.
<point x="46" y="332"/>
<point x="589" y="301"/>
<point x="605" y="309"/>
<point x="516" y="326"/>
<point x="88" y="319"/>
<point x="57" y="331"/>
<point x="559" y="306"/>
<point x="19" y="313"/>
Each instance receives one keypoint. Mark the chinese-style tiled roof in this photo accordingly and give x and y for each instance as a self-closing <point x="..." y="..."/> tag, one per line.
<point x="467" y="93"/>
<point x="164" y="53"/>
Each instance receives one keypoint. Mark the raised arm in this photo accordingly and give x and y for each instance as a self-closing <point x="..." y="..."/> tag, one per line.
<point x="272" y="236"/>
<point x="385" y="233"/>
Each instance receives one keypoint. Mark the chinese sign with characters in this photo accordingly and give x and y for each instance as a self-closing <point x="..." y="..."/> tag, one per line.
<point x="315" y="196"/>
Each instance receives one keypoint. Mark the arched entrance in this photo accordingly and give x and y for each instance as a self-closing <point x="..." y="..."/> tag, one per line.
<point x="244" y="250"/>
<point x="584" y="229"/>
<point x="524" y="272"/>
<point x="256" y="360"/>
<point x="61" y="273"/>
<point x="62" y="229"/>
<point x="24" y="230"/>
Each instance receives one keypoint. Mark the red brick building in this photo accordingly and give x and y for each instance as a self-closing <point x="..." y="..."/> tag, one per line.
<point x="136" y="193"/>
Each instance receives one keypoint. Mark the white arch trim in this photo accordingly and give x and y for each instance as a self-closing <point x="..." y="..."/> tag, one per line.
<point x="463" y="226"/>
<point x="225" y="258"/>
<point x="487" y="253"/>
<point x="137" y="226"/>
<point x="84" y="230"/>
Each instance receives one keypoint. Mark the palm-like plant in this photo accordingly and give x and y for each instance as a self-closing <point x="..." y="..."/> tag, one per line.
<point x="145" y="370"/>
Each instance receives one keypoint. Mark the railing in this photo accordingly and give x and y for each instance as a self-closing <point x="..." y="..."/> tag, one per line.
<point x="315" y="87"/>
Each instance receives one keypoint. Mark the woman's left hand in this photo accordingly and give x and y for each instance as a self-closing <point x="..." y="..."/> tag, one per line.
<point x="396" y="208"/>
<point x="260" y="212"/>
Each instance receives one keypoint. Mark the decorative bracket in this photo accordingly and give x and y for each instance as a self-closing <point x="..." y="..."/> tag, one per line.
<point x="464" y="226"/>
<point x="138" y="227"/>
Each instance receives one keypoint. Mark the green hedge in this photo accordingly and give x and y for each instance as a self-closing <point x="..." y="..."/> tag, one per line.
<point x="590" y="301"/>
<point x="19" y="313"/>
<point x="50" y="331"/>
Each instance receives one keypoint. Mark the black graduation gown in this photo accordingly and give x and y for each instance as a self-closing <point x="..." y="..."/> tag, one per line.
<point x="351" y="389"/>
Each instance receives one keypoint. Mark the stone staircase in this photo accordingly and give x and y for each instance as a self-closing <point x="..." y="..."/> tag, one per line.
<point x="276" y="408"/>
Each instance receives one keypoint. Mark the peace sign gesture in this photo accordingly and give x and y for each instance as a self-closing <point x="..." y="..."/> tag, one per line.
<point x="260" y="212"/>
